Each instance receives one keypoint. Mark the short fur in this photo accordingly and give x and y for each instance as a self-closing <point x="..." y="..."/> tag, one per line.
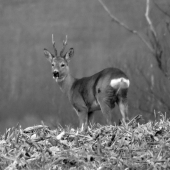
<point x="100" y="91"/>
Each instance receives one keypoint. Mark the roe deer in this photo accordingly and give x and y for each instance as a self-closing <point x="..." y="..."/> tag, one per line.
<point x="100" y="91"/>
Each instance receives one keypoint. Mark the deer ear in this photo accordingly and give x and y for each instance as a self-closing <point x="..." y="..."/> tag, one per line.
<point x="69" y="54"/>
<point x="48" y="55"/>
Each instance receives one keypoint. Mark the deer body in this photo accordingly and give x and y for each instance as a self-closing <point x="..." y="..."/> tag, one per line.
<point x="100" y="91"/>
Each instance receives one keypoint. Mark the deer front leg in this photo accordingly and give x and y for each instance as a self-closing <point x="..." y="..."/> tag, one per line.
<point x="90" y="118"/>
<point x="83" y="119"/>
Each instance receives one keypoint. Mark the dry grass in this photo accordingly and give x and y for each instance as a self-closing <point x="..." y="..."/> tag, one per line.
<point x="134" y="146"/>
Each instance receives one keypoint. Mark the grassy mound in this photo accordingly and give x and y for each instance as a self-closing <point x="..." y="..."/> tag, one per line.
<point x="133" y="146"/>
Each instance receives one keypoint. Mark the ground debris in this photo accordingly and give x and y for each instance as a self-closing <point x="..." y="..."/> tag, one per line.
<point x="145" y="146"/>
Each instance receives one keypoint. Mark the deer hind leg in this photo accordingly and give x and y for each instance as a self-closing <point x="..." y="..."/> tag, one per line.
<point x="83" y="119"/>
<point x="123" y="105"/>
<point x="107" y="101"/>
<point x="106" y="111"/>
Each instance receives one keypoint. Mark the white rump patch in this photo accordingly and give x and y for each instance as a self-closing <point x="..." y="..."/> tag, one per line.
<point x="123" y="82"/>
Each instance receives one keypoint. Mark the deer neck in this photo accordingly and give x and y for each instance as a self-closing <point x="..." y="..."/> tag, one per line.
<point x="66" y="84"/>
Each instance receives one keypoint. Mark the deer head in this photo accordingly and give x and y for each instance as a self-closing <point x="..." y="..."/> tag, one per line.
<point x="60" y="67"/>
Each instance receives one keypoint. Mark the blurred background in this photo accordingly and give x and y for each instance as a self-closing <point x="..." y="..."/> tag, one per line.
<point x="28" y="94"/>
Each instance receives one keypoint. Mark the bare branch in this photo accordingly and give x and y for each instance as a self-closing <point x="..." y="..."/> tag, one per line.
<point x="151" y="90"/>
<point x="114" y="19"/>
<point x="168" y="27"/>
<point x="153" y="44"/>
<point x="164" y="12"/>
<point x="148" y="19"/>
<point x="158" y="53"/>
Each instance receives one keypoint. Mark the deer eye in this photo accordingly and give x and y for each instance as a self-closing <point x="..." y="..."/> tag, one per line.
<point x="52" y="64"/>
<point x="62" y="65"/>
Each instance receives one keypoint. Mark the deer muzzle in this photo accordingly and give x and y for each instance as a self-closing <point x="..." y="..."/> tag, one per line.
<point x="55" y="74"/>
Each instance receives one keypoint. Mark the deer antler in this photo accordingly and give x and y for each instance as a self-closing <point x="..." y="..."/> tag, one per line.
<point x="64" y="46"/>
<point x="53" y="42"/>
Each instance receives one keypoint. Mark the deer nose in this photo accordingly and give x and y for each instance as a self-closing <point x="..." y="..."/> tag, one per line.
<point x="55" y="74"/>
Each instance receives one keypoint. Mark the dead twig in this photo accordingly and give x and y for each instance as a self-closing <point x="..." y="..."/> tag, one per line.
<point x="114" y="19"/>
<point x="149" y="20"/>
<point x="155" y="41"/>
<point x="164" y="12"/>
